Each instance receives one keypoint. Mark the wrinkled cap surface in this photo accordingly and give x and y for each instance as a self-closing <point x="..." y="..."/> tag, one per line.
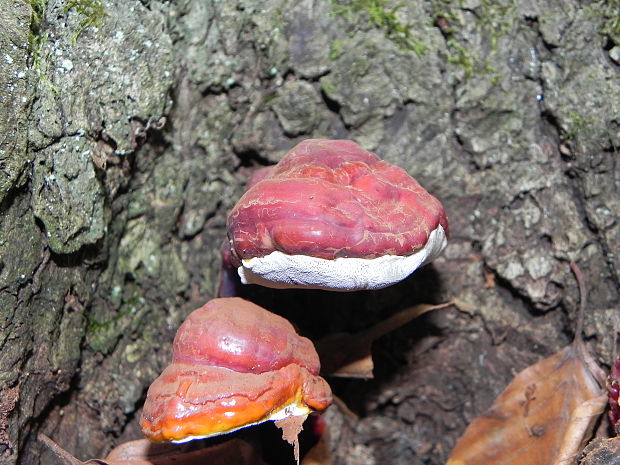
<point x="234" y="365"/>
<point x="332" y="215"/>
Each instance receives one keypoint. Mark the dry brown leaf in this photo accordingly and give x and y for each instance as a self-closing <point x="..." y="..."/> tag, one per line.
<point x="544" y="416"/>
<point x="144" y="452"/>
<point x="349" y="355"/>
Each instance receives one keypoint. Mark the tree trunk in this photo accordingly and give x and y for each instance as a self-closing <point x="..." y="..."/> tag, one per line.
<point x="131" y="127"/>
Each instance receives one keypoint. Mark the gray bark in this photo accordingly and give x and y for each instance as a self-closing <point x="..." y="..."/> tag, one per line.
<point x="131" y="126"/>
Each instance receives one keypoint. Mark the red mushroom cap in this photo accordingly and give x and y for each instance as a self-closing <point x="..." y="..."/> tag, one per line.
<point x="329" y="200"/>
<point x="234" y="365"/>
<point x="241" y="336"/>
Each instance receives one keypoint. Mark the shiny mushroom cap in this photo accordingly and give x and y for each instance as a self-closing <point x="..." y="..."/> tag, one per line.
<point x="234" y="365"/>
<point x="331" y="215"/>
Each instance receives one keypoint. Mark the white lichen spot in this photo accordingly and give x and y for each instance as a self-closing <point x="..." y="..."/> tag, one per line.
<point x="66" y="65"/>
<point x="538" y="266"/>
<point x="513" y="270"/>
<point x="119" y="35"/>
<point x="603" y="211"/>
<point x="134" y="54"/>
<point x="8" y="59"/>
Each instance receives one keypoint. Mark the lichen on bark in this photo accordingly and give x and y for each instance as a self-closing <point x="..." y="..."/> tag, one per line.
<point x="15" y="95"/>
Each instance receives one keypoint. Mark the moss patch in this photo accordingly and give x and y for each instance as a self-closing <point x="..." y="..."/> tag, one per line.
<point x="377" y="13"/>
<point x="494" y="20"/>
<point x="35" y="38"/>
<point x="93" y="13"/>
<point x="611" y="19"/>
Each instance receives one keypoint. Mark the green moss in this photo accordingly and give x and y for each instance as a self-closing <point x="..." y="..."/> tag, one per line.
<point x="610" y="10"/>
<point x="470" y="63"/>
<point x="335" y="48"/>
<point x="102" y="335"/>
<point x="575" y="125"/>
<point x="493" y="19"/>
<point x="327" y="86"/>
<point x="496" y="19"/>
<point x="36" y="40"/>
<point x="378" y="14"/>
<point x="93" y="13"/>
<point x="37" y="8"/>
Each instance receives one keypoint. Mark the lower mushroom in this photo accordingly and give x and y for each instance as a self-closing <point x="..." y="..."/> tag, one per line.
<point x="234" y="365"/>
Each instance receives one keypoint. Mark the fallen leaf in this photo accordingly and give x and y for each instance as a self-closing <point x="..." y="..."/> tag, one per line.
<point x="144" y="452"/>
<point x="62" y="455"/>
<point x="544" y="416"/>
<point x="349" y="355"/>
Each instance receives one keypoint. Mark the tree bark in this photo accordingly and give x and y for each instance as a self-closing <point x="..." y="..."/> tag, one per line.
<point x="130" y="128"/>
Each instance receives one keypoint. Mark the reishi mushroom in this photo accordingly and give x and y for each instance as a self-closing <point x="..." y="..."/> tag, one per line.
<point x="234" y="365"/>
<point x="331" y="215"/>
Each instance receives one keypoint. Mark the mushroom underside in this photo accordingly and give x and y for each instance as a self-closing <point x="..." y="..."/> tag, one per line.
<point x="279" y="270"/>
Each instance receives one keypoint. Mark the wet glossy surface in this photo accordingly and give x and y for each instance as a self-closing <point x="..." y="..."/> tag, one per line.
<point x="234" y="364"/>
<point x="236" y="334"/>
<point x="330" y="199"/>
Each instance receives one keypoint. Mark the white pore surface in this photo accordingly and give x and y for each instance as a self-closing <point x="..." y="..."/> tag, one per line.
<point x="281" y="271"/>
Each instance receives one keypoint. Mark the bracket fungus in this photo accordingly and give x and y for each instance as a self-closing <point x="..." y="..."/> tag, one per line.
<point x="331" y="215"/>
<point x="234" y="365"/>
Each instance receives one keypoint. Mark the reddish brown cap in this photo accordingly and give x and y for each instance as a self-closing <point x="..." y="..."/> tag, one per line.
<point x="331" y="200"/>
<point x="234" y="365"/>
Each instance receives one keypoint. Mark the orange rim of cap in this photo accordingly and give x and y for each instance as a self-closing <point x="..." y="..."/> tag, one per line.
<point x="183" y="410"/>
